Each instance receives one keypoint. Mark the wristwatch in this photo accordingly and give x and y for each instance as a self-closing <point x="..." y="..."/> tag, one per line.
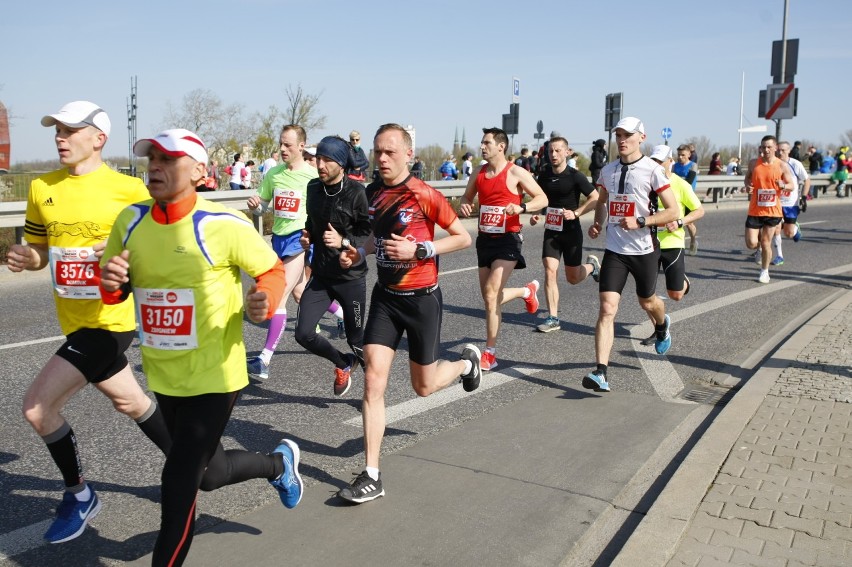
<point x="345" y="243"/>
<point x="420" y="252"/>
<point x="523" y="207"/>
<point x="680" y="223"/>
<point x="641" y="221"/>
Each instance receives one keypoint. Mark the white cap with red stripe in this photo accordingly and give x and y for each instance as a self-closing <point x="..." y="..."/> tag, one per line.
<point x="176" y="142"/>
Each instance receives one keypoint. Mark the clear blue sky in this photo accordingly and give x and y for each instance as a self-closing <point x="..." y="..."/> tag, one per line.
<point x="437" y="65"/>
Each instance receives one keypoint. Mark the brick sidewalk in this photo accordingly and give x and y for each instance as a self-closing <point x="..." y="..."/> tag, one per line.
<point x="784" y="495"/>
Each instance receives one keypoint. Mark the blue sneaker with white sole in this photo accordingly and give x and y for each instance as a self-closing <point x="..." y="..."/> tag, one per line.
<point x="662" y="345"/>
<point x="289" y="484"/>
<point x="72" y="516"/>
<point x="596" y="381"/>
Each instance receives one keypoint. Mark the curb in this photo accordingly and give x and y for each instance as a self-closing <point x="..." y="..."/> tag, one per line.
<point x="656" y="539"/>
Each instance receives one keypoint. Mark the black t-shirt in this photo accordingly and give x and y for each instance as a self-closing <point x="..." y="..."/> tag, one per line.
<point x="563" y="190"/>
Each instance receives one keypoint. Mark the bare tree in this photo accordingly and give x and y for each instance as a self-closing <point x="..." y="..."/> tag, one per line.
<point x="703" y="147"/>
<point x="432" y="157"/>
<point x="223" y="128"/>
<point x="302" y="108"/>
<point x="268" y="131"/>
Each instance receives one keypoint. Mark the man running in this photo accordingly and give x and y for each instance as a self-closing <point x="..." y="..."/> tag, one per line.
<point x="284" y="187"/>
<point x="629" y="188"/>
<point x="671" y="236"/>
<point x="790" y="202"/>
<point x="406" y="299"/>
<point x="766" y="179"/>
<point x="500" y="186"/>
<point x="336" y="219"/>
<point x="69" y="215"/>
<point x="686" y="168"/>
<point x="182" y="255"/>
<point x="563" y="235"/>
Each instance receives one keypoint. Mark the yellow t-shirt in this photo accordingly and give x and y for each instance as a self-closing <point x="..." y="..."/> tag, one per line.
<point x="188" y="294"/>
<point x="71" y="213"/>
<point x="686" y="199"/>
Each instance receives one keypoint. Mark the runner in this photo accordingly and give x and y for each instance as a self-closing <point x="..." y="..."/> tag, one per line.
<point x="790" y="202"/>
<point x="629" y="188"/>
<point x="336" y="219"/>
<point x="766" y="179"/>
<point x="406" y="298"/>
<point x="183" y="255"/>
<point x="686" y="168"/>
<point x="500" y="186"/>
<point x="69" y="215"/>
<point x="284" y="186"/>
<point x="671" y="236"/>
<point x="563" y="234"/>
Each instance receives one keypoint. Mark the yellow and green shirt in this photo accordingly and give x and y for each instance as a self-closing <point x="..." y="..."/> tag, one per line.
<point x="686" y="199"/>
<point x="185" y="277"/>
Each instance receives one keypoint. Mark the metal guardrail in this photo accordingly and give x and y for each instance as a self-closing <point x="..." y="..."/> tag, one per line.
<point x="12" y="214"/>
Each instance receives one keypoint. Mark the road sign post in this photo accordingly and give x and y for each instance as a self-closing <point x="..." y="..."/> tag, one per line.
<point x="667" y="134"/>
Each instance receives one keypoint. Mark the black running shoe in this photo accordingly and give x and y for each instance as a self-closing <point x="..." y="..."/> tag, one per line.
<point x="470" y="381"/>
<point x="362" y="489"/>
<point x="650" y="340"/>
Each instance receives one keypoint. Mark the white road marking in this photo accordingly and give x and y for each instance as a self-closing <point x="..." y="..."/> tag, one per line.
<point x="23" y="539"/>
<point x="33" y="342"/>
<point x="448" y="395"/>
<point x="660" y="372"/>
<point x="812" y="222"/>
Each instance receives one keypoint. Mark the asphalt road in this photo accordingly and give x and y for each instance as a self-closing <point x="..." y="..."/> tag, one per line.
<point x="726" y="317"/>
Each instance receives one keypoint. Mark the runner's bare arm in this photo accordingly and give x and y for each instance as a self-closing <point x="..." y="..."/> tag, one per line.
<point x="466" y="206"/>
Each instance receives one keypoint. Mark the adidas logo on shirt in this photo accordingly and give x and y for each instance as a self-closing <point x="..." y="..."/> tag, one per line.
<point x="48" y="202"/>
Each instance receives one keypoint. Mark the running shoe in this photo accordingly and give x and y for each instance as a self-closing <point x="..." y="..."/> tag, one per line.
<point x="757" y="257"/>
<point x="362" y="489"/>
<point x="662" y="345"/>
<point x="470" y="381"/>
<point x="342" y="376"/>
<point x="764" y="276"/>
<point x="289" y="485"/>
<point x="532" y="300"/>
<point x="798" y="236"/>
<point x="596" y="267"/>
<point x="550" y="324"/>
<point x="257" y="368"/>
<point x="72" y="517"/>
<point x="693" y="247"/>
<point x="650" y="340"/>
<point x="341" y="329"/>
<point x="596" y="381"/>
<point x="488" y="361"/>
<point x="777" y="260"/>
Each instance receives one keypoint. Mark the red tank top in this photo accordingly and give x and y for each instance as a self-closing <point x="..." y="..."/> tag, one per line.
<point x="495" y="193"/>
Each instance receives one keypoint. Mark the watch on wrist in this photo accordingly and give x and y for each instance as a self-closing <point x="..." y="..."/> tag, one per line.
<point x="345" y="243"/>
<point x="523" y="207"/>
<point x="680" y="223"/>
<point x="420" y="252"/>
<point x="641" y="221"/>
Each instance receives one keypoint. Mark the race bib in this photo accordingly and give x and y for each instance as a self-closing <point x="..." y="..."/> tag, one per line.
<point x="621" y="206"/>
<point x="553" y="219"/>
<point x="286" y="203"/>
<point x="492" y="219"/>
<point x="166" y="318"/>
<point x="766" y="197"/>
<point x="75" y="272"/>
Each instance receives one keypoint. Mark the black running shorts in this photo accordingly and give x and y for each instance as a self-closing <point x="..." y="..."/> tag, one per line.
<point x="567" y="243"/>
<point x="760" y="222"/>
<point x="674" y="268"/>
<point x="418" y="316"/>
<point x="97" y="353"/>
<point x="502" y="247"/>
<point x="616" y="267"/>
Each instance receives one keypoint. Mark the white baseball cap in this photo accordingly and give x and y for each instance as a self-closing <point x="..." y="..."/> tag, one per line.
<point x="661" y="153"/>
<point x="312" y="150"/>
<point x="176" y="142"/>
<point x="78" y="114"/>
<point x="630" y="124"/>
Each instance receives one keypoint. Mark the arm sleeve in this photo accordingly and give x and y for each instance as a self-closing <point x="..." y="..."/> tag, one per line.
<point x="273" y="283"/>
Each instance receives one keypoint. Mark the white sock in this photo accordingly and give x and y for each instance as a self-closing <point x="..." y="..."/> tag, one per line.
<point x="491" y="350"/>
<point x="527" y="292"/>
<point x="468" y="366"/>
<point x="776" y="241"/>
<point x="84" y="494"/>
<point x="373" y="472"/>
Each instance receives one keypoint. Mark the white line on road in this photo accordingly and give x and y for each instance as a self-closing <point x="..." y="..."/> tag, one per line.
<point x="448" y="395"/>
<point x="660" y="372"/>
<point x="33" y="342"/>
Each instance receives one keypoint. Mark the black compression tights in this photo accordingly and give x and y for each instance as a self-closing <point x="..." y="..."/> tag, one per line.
<point x="196" y="425"/>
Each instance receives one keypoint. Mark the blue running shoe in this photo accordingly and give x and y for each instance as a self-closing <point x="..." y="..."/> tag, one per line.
<point x="257" y="369"/>
<point x="72" y="517"/>
<point x="777" y="260"/>
<point x="595" y="381"/>
<point x="798" y="236"/>
<point x="289" y="485"/>
<point x="663" y="345"/>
